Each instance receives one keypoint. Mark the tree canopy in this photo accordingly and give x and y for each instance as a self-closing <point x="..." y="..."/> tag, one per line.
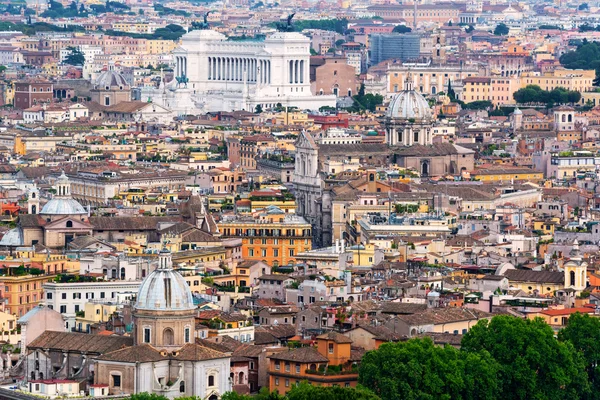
<point x="304" y="391"/>
<point x="402" y="29"/>
<point x="586" y="56"/>
<point x="501" y="30"/>
<point x="535" y="94"/>
<point x="417" y="369"/>
<point x="583" y="332"/>
<point x="339" y="25"/>
<point x="533" y="364"/>
<point x="75" y="56"/>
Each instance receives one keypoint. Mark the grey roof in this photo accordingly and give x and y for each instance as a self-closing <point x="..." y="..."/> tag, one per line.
<point x="63" y="206"/>
<point x="164" y="289"/>
<point x="520" y="275"/>
<point x="409" y="104"/>
<point x="14" y="237"/>
<point x="110" y="78"/>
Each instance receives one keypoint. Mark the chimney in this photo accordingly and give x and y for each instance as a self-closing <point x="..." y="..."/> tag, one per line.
<point x="337" y="246"/>
<point x="343" y="246"/>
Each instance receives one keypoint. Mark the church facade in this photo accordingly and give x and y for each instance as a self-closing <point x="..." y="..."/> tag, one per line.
<point x="409" y="144"/>
<point x="216" y="74"/>
<point x="164" y="358"/>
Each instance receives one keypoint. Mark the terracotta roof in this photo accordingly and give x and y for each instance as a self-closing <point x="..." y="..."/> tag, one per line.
<point x="568" y="311"/>
<point x="80" y="342"/>
<point x="147" y="353"/>
<point x="282" y="331"/>
<point x="127" y="106"/>
<point x="302" y="355"/>
<point x="402" y="308"/>
<point x="336" y="337"/>
<point x="128" y="223"/>
<point x="443" y="316"/>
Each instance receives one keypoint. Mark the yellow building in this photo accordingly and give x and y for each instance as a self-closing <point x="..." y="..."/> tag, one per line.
<point x="498" y="90"/>
<point x="571" y="79"/>
<point x="22" y="293"/>
<point x="507" y="174"/>
<point x="160" y="46"/>
<point x="270" y="236"/>
<point x="8" y="328"/>
<point x="92" y="314"/>
<point x="546" y="226"/>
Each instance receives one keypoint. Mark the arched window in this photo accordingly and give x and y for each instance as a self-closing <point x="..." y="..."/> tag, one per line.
<point x="168" y="337"/>
<point x="182" y="387"/>
<point x="371" y="177"/>
<point x="570" y="118"/>
<point x="211" y="380"/>
<point x="564" y="118"/>
<point x="572" y="276"/>
<point x="241" y="378"/>
<point x="69" y="224"/>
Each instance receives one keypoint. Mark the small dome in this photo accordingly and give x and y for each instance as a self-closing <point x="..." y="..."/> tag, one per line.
<point x="63" y="206"/>
<point x="164" y="290"/>
<point x="13" y="238"/>
<point x="409" y="104"/>
<point x="517" y="111"/>
<point x="111" y="78"/>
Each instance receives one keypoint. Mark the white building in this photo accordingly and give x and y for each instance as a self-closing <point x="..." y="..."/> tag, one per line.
<point x="225" y="75"/>
<point x="70" y="298"/>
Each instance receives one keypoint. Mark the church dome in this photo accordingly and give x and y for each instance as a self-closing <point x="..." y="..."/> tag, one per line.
<point x="62" y="203"/>
<point x="409" y="104"/>
<point x="111" y="78"/>
<point x="164" y="290"/>
<point x="62" y="206"/>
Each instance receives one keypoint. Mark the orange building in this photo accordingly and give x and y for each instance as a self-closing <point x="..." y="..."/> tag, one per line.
<point x="331" y="363"/>
<point x="269" y="235"/>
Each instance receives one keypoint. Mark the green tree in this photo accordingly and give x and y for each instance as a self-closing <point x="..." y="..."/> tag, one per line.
<point x="147" y="396"/>
<point x="417" y="369"/>
<point x="258" y="109"/>
<point x="583" y="332"/>
<point x="75" y="57"/>
<point x="469" y="29"/>
<point x="501" y="30"/>
<point x="304" y="391"/>
<point x="401" y="29"/>
<point x="451" y="93"/>
<point x="533" y="364"/>
<point x="583" y="6"/>
<point x="479" y="105"/>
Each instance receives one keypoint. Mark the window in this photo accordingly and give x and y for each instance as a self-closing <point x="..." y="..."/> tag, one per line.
<point x="63" y="296"/>
<point x="277" y="366"/>
<point x="116" y="380"/>
<point x="277" y="381"/>
<point x="291" y="252"/>
<point x="297" y="368"/>
<point x="330" y="346"/>
<point x="211" y="380"/>
<point x="49" y="296"/>
<point x="146" y="335"/>
<point x="187" y="335"/>
<point x="63" y="309"/>
<point x="287" y="366"/>
<point x="182" y="387"/>
<point x="287" y="383"/>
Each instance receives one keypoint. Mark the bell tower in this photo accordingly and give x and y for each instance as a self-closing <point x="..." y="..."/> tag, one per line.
<point x="33" y="201"/>
<point x="575" y="270"/>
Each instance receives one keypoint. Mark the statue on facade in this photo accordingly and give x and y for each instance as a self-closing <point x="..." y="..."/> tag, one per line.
<point x="286" y="27"/>
<point x="182" y="80"/>
<point x="201" y="25"/>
